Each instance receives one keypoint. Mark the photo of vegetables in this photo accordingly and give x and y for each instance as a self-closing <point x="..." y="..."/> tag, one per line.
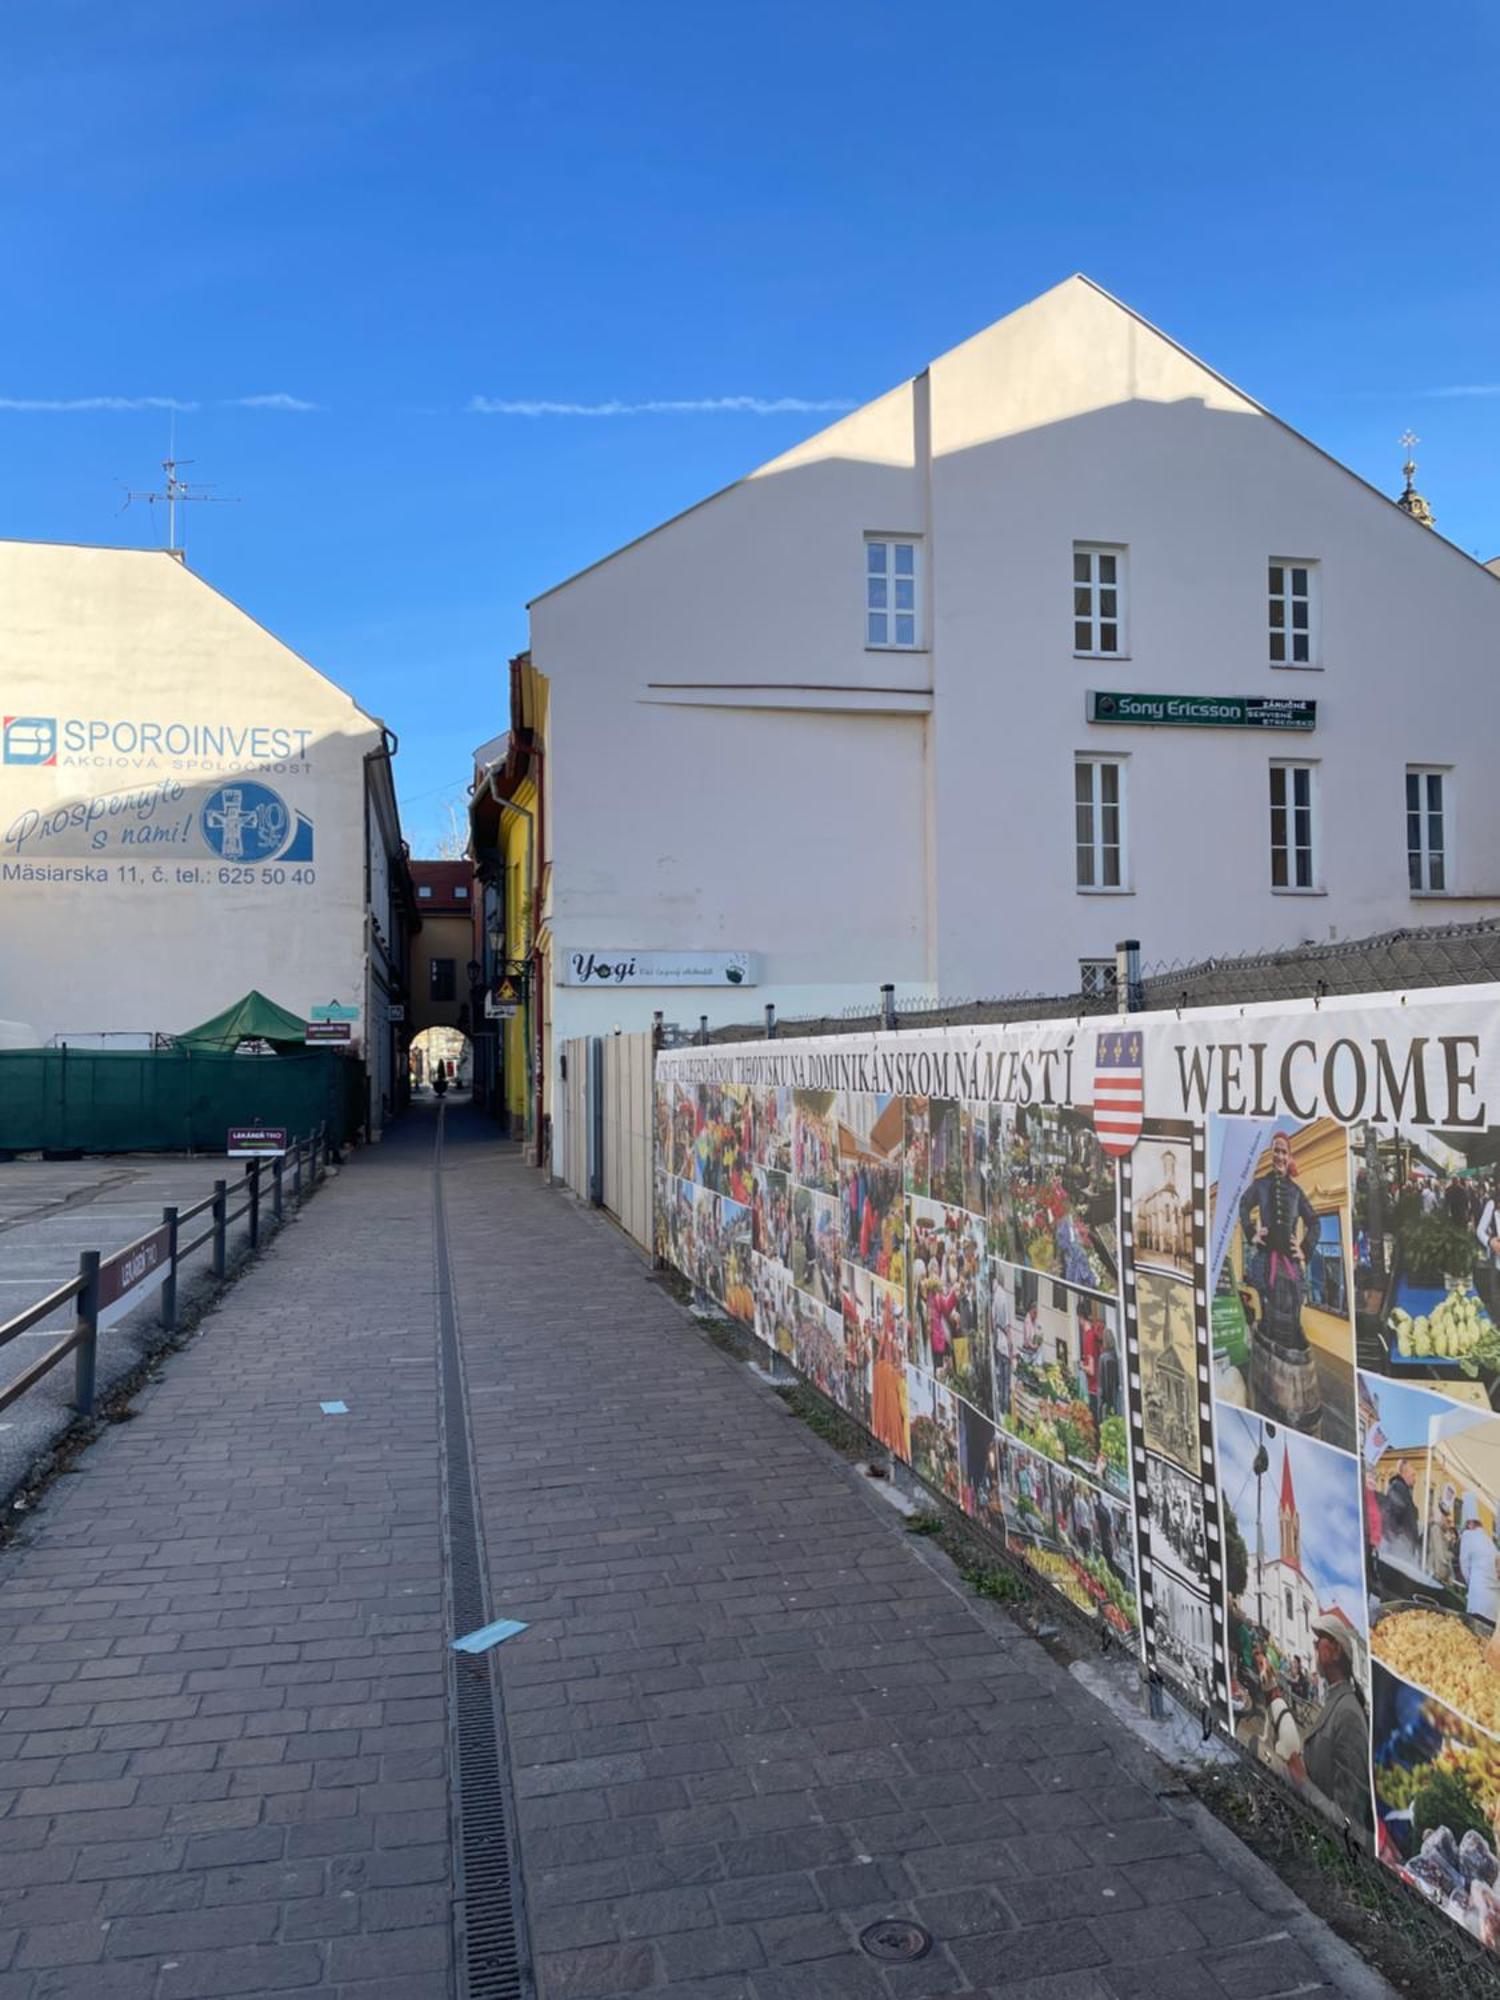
<point x="1427" y="1257"/>
<point x="1437" y="1798"/>
<point x="1068" y="1531"/>
<point x="1059" y="1386"/>
<point x="1431" y="1472"/>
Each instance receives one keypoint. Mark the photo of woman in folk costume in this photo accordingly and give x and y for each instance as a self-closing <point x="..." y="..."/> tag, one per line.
<point x="1280" y="1229"/>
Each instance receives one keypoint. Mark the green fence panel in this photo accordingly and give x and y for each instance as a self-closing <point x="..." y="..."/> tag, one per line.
<point x="169" y="1100"/>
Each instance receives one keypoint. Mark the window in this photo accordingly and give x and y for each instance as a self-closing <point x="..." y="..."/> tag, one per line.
<point x="1098" y="599"/>
<point x="440" y="980"/>
<point x="424" y="889"/>
<point x="1326" y="1288"/>
<point x="1426" y="830"/>
<point x="461" y="892"/>
<point x="1292" y="861"/>
<point x="1096" y="978"/>
<point x="1292" y="596"/>
<point x="891" y="579"/>
<point x="1099" y="822"/>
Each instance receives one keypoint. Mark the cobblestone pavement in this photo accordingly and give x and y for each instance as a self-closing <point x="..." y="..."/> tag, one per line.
<point x="222" y="1647"/>
<point x="748" y="1716"/>
<point x="49" y="1211"/>
<point x="748" y="1719"/>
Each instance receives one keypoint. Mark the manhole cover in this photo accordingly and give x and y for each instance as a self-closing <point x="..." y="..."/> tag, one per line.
<point x="895" y="1938"/>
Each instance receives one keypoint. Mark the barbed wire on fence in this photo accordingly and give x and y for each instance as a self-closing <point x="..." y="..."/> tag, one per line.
<point x="1392" y="961"/>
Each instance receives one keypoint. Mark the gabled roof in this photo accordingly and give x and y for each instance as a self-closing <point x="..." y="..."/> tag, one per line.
<point x="1076" y="280"/>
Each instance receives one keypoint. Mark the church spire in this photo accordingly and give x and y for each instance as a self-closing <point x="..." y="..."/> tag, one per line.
<point x="1411" y="500"/>
<point x="1291" y="1520"/>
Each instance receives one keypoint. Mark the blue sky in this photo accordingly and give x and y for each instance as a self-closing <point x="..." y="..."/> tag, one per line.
<point x="390" y="211"/>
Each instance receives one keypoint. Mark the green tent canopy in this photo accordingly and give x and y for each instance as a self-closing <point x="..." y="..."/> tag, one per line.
<point x="255" y="1018"/>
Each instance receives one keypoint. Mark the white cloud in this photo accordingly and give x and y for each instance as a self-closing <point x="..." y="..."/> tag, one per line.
<point x="754" y="406"/>
<point x="1467" y="389"/>
<point x="57" y="404"/>
<point x="279" y="400"/>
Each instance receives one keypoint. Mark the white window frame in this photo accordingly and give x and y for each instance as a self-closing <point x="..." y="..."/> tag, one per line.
<point x="887" y="581"/>
<point x="1284" y="603"/>
<point x="1096" y="847"/>
<point x="1424" y="854"/>
<point x="1098" y="978"/>
<point x="1089" y="620"/>
<point x="1290" y="767"/>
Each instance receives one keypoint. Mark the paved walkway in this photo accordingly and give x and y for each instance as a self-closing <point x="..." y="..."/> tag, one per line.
<point x="49" y="1211"/>
<point x="747" y="1717"/>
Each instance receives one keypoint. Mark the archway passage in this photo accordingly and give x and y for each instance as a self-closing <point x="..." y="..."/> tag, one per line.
<point x="448" y="1049"/>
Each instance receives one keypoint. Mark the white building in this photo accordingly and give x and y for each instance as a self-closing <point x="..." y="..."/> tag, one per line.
<point x="1283" y="1591"/>
<point x="850" y="715"/>
<point x="187" y="810"/>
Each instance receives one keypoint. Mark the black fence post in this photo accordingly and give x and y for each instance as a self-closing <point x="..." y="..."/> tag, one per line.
<point x="169" y="1287"/>
<point x="703" y="1031"/>
<point x="221" y="1229"/>
<point x="770" y="1020"/>
<point x="1128" y="988"/>
<point x="297" y="1173"/>
<point x="86" y="1352"/>
<point x="278" y="1167"/>
<point x="252" y="1175"/>
<point x="888" y="1006"/>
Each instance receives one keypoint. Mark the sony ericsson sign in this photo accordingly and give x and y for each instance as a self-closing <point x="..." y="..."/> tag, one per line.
<point x="1202" y="711"/>
<point x="92" y="741"/>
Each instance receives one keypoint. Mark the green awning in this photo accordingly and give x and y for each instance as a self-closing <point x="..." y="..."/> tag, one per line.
<point x="253" y="1019"/>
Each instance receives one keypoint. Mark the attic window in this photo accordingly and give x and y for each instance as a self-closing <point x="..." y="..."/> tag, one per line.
<point x="462" y="891"/>
<point x="424" y="889"/>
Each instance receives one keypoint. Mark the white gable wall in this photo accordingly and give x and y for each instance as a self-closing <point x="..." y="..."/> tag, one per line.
<point x="132" y="920"/>
<point x="1073" y="421"/>
<point x="730" y="769"/>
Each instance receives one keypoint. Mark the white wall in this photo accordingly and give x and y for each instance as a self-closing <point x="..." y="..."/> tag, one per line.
<point x="1071" y="420"/>
<point x="730" y="767"/>
<point x="122" y="639"/>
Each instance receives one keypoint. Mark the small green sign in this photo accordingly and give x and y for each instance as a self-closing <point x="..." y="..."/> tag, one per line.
<point x="1203" y="711"/>
<point x="334" y="1010"/>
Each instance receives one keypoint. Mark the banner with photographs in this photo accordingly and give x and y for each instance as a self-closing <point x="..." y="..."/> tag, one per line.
<point x="1200" y="1317"/>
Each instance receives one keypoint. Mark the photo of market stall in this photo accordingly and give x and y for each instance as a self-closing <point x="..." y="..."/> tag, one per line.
<point x="1067" y="1530"/>
<point x="870" y="1134"/>
<point x="1060" y="1198"/>
<point x="1427" y="1257"/>
<point x="1057" y="1355"/>
<point x="1432" y="1476"/>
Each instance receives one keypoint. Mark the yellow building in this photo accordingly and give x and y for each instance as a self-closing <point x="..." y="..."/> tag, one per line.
<point x="508" y="829"/>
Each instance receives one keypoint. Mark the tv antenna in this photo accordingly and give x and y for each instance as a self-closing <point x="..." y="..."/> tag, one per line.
<point x="178" y="492"/>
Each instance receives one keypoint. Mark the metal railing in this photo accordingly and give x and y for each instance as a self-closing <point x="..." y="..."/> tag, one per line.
<point x="108" y="1287"/>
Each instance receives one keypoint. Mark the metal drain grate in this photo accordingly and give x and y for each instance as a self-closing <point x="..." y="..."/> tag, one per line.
<point x="896" y="1939"/>
<point x="490" y="1929"/>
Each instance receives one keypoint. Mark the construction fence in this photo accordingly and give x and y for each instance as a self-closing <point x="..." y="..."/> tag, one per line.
<point x="1199" y="1316"/>
<point x="71" y="1100"/>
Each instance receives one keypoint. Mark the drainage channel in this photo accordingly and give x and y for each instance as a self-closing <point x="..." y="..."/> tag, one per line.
<point x="490" y="1935"/>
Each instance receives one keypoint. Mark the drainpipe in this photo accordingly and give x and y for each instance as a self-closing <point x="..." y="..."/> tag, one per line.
<point x="384" y="751"/>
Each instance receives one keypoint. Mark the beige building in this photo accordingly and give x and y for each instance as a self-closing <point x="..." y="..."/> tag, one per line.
<point x="1064" y="640"/>
<point x="187" y="810"/>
